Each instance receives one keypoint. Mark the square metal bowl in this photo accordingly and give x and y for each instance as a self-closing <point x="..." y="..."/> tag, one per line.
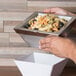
<point x="32" y="37"/>
<point x="66" y="28"/>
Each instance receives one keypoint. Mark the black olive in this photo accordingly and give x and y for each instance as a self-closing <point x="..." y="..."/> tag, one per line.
<point x="36" y="29"/>
<point x="34" y="20"/>
<point x="61" y="24"/>
<point x="52" y="30"/>
<point x="26" y="26"/>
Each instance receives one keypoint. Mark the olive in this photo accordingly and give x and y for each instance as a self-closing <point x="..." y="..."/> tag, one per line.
<point x="34" y="20"/>
<point x="61" y="24"/>
<point x="26" y="26"/>
<point x="36" y="29"/>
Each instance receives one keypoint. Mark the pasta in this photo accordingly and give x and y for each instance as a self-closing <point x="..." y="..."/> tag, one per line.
<point x="47" y="23"/>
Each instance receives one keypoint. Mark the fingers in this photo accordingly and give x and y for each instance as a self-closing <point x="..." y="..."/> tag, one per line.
<point x="52" y="10"/>
<point x="44" y="43"/>
<point x="47" y="41"/>
<point x="47" y="49"/>
<point x="51" y="36"/>
<point x="65" y="34"/>
<point x="56" y="10"/>
<point x="49" y="44"/>
<point x="47" y="10"/>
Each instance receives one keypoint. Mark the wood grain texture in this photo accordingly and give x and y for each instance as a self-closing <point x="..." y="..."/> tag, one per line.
<point x="1" y="26"/>
<point x="52" y="3"/>
<point x="18" y="50"/>
<point x="14" y="16"/>
<point x="7" y="62"/>
<point x="52" y="0"/>
<point x="23" y="5"/>
<point x="32" y="8"/>
<point x="9" y="25"/>
<point x="9" y="5"/>
<point x="9" y="71"/>
<point x="12" y="1"/>
<point x="4" y="39"/>
<point x="40" y="5"/>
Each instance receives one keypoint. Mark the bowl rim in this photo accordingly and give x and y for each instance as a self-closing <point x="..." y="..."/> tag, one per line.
<point x="20" y="29"/>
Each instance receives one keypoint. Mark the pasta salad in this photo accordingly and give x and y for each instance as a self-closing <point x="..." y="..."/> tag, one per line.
<point x="47" y="23"/>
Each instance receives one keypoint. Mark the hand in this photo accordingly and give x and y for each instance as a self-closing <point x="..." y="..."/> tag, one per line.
<point x="59" y="11"/>
<point x="62" y="47"/>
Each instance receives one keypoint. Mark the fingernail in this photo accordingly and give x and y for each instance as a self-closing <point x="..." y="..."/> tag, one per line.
<point x="39" y="47"/>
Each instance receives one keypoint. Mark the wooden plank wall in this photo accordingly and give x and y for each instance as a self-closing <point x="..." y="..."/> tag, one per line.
<point x="12" y="13"/>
